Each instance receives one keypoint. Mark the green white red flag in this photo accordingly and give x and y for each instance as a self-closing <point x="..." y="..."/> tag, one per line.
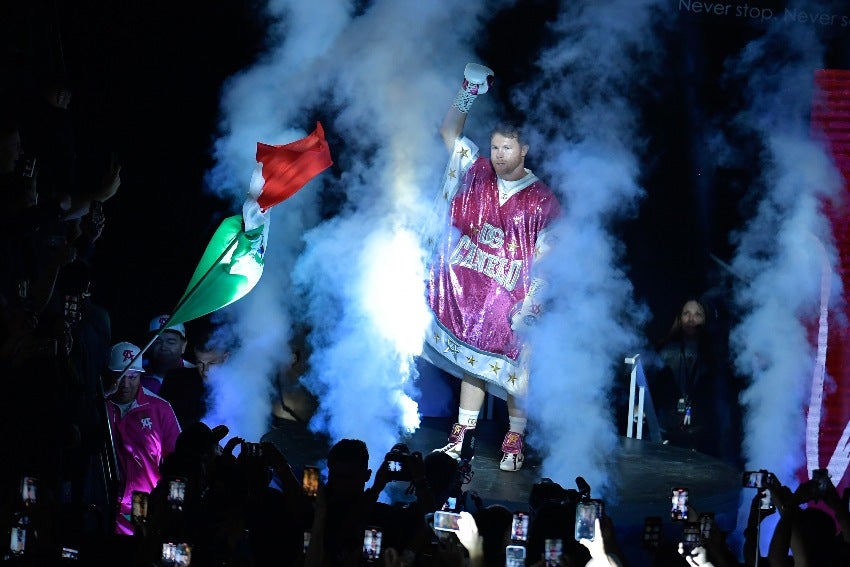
<point x="234" y="258"/>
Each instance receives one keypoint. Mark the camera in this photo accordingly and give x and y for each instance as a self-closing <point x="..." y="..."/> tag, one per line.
<point x="397" y="463"/>
<point x="547" y="491"/>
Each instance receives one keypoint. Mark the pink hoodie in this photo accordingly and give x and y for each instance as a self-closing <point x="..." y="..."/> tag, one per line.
<point x="143" y="438"/>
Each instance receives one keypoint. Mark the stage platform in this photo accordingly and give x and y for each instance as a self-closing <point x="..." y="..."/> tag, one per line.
<point x="646" y="472"/>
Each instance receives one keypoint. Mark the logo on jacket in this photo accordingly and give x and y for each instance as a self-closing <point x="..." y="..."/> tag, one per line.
<point x="147" y="423"/>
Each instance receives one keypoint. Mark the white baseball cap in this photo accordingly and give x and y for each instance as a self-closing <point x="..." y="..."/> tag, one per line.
<point x="159" y="322"/>
<point x="121" y="354"/>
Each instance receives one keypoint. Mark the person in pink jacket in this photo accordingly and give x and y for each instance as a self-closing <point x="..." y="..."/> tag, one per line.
<point x="144" y="430"/>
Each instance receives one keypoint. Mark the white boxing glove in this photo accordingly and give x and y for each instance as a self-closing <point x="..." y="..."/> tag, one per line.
<point x="477" y="78"/>
<point x="476" y="81"/>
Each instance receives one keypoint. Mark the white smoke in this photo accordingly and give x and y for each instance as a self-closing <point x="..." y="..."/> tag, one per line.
<point x="241" y="389"/>
<point x="780" y="251"/>
<point x="379" y="80"/>
<point x="783" y="248"/>
<point x="268" y="103"/>
<point x="364" y="270"/>
<point x="579" y="101"/>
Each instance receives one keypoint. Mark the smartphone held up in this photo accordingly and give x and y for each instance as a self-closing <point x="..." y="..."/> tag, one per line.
<point x="515" y="556"/>
<point x="553" y="549"/>
<point x="691" y="537"/>
<point x="679" y="504"/>
<point x="310" y="481"/>
<point x="757" y="479"/>
<point x="587" y="512"/>
<point x="519" y="527"/>
<point x="372" y="537"/>
<point x="446" y="521"/>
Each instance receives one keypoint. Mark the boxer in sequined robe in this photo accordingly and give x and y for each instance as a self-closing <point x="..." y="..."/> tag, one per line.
<point x="481" y="286"/>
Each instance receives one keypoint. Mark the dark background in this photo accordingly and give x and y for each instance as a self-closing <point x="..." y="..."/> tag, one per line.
<point x="146" y="78"/>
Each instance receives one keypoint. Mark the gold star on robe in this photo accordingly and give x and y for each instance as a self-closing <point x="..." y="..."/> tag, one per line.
<point x="464" y="153"/>
<point x="471" y="360"/>
<point x="494" y="367"/>
<point x="512" y="378"/>
<point x="453" y="173"/>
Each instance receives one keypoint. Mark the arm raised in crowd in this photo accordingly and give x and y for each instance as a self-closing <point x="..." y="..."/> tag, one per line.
<point x="783" y="534"/>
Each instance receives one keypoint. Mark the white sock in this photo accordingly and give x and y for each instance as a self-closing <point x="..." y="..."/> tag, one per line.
<point x="517" y="424"/>
<point x="467" y="418"/>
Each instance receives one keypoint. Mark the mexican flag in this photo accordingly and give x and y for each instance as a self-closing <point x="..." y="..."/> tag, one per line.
<point x="233" y="260"/>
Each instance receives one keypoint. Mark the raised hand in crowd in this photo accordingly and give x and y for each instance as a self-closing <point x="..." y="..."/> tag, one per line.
<point x="231" y="444"/>
<point x="698" y="557"/>
<point x="469" y="537"/>
<point x="786" y="535"/>
<point x="110" y="181"/>
<point x="599" y="557"/>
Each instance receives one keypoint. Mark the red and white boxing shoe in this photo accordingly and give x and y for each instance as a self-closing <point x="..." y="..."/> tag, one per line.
<point x="455" y="444"/>
<point x="512" y="457"/>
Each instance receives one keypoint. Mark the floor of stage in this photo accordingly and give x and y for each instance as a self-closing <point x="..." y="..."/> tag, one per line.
<point x="646" y="472"/>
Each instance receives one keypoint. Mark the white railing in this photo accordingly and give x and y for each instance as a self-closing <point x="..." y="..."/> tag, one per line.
<point x="640" y="403"/>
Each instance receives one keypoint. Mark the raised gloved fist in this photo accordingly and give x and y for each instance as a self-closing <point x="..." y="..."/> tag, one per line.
<point x="477" y="79"/>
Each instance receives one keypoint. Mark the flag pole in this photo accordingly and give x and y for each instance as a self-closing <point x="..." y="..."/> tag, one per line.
<point x="180" y="303"/>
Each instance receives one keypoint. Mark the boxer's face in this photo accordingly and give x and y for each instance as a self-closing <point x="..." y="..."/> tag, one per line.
<point x="508" y="157"/>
